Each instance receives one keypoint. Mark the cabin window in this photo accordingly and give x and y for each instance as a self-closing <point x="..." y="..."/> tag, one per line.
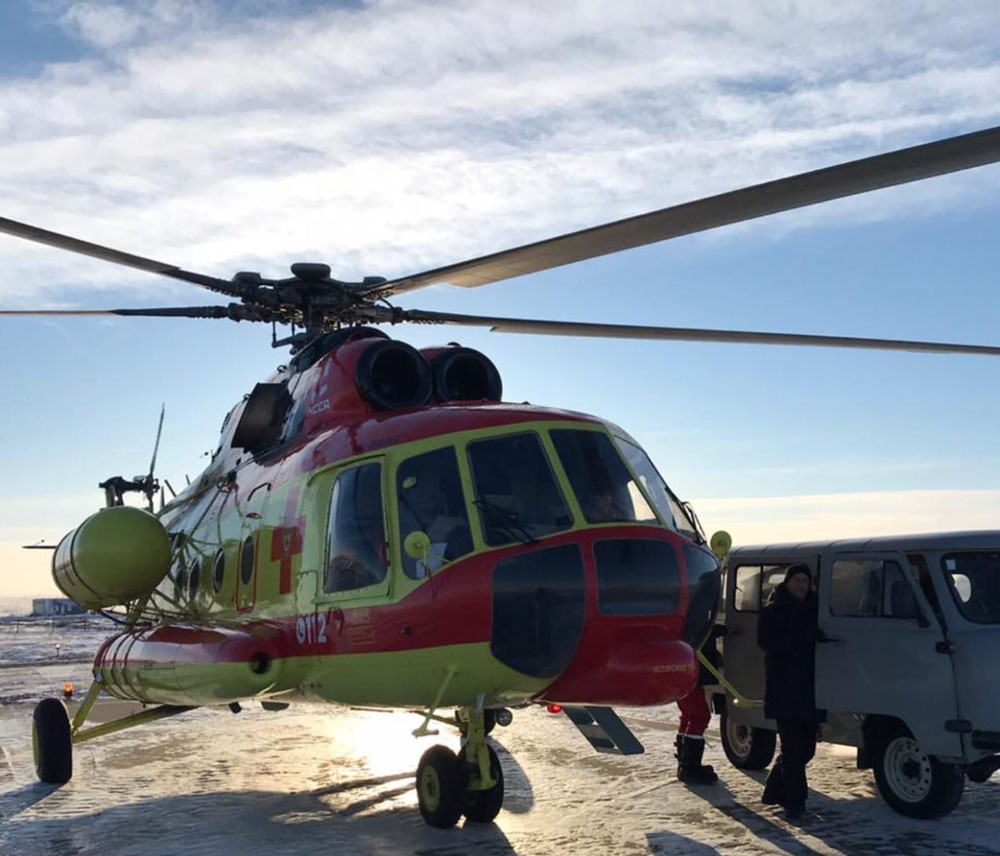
<point x="974" y="580"/>
<point x="180" y="582"/>
<point x="246" y="561"/>
<point x="194" y="580"/>
<point x="871" y="588"/>
<point x="357" y="548"/>
<point x="220" y="571"/>
<point x="516" y="493"/>
<point x="430" y="497"/>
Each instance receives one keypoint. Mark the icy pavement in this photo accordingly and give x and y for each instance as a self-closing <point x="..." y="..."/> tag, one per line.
<point x="341" y="781"/>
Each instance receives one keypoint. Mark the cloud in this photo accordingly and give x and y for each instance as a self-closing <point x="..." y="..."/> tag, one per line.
<point x="759" y="520"/>
<point x="400" y="135"/>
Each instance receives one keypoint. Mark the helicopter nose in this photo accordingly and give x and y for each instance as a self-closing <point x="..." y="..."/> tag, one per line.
<point x="626" y="666"/>
<point x="601" y="615"/>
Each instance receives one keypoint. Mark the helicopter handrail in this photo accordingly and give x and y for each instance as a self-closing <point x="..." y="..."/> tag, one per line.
<point x="738" y="697"/>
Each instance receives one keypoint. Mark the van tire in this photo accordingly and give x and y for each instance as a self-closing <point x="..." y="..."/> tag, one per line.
<point x="746" y="747"/>
<point x="912" y="782"/>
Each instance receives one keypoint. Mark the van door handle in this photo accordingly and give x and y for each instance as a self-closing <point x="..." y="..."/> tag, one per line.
<point x="830" y="640"/>
<point x="945" y="647"/>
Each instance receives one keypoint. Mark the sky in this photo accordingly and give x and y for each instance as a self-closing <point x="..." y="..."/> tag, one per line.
<point x="391" y="136"/>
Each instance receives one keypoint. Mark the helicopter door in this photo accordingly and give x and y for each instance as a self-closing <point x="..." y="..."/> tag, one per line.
<point x="246" y="579"/>
<point x="357" y="547"/>
<point x="881" y="653"/>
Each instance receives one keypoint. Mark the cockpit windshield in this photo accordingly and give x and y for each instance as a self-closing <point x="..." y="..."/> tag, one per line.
<point x="656" y="489"/>
<point x="974" y="580"/>
<point x="515" y="491"/>
<point x="606" y="491"/>
<point x="518" y="497"/>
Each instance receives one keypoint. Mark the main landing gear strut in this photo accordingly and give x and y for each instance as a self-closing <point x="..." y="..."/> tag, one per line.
<point x="469" y="783"/>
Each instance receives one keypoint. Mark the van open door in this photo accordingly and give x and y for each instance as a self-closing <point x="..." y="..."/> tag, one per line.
<point x="750" y="580"/>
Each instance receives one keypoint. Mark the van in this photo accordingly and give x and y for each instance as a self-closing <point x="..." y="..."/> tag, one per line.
<point x="906" y="665"/>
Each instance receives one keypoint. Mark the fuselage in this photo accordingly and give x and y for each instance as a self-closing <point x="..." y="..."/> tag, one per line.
<point x="556" y="565"/>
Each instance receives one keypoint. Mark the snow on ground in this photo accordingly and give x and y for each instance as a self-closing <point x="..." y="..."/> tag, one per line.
<point x="330" y="780"/>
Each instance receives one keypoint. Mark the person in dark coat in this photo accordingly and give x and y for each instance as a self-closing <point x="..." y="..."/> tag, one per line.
<point x="787" y="633"/>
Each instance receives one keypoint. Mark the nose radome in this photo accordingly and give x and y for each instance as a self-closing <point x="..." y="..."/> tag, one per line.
<point x="630" y="671"/>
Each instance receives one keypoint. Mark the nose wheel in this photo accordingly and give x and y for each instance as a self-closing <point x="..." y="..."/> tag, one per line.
<point x="469" y="783"/>
<point x="52" y="742"/>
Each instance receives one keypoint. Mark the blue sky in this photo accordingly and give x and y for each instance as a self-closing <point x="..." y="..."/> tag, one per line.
<point x="393" y="136"/>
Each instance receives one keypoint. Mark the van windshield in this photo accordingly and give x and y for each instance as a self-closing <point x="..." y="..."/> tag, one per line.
<point x="974" y="580"/>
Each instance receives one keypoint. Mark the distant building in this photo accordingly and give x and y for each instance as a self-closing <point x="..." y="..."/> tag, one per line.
<point x="55" y="606"/>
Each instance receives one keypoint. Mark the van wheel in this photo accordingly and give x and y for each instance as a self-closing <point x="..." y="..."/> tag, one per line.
<point x="914" y="783"/>
<point x="746" y="747"/>
<point x="52" y="742"/>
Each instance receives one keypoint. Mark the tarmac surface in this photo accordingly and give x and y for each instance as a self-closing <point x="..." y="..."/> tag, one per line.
<point x="334" y="780"/>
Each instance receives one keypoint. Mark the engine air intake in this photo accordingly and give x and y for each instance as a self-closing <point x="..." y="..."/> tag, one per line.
<point x="391" y="375"/>
<point x="464" y="374"/>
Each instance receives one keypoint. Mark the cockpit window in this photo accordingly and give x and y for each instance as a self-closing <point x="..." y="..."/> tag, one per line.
<point x="516" y="493"/>
<point x="429" y="492"/>
<point x="656" y="489"/>
<point x="974" y="580"/>
<point x="356" y="552"/>
<point x="606" y="491"/>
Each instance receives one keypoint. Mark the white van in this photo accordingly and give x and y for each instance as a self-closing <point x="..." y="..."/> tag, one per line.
<point x="909" y="674"/>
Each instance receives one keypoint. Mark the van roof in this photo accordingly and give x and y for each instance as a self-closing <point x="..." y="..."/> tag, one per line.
<point x="986" y="538"/>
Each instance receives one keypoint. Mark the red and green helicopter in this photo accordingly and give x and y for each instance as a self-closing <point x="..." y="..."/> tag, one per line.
<point x="377" y="527"/>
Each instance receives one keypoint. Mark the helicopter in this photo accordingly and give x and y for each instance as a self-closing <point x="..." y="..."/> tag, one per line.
<point x="377" y="527"/>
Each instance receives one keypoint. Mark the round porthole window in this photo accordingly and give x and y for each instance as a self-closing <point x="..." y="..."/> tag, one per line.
<point x="181" y="581"/>
<point x="246" y="561"/>
<point x="220" y="571"/>
<point x="194" y="580"/>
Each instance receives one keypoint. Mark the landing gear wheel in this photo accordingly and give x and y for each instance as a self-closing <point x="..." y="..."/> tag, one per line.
<point x="914" y="783"/>
<point x="746" y="747"/>
<point x="440" y="786"/>
<point x="52" y="742"/>
<point x="484" y="806"/>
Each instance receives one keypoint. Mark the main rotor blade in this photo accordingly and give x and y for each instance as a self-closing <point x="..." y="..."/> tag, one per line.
<point x="687" y="334"/>
<point x="156" y="445"/>
<point x="234" y="311"/>
<point x="821" y="185"/>
<point x="108" y="254"/>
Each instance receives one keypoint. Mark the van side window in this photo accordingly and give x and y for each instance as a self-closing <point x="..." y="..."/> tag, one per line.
<point x="357" y="545"/>
<point x="871" y="588"/>
<point x="746" y="597"/>
<point x="919" y="564"/>
<point x="754" y="584"/>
